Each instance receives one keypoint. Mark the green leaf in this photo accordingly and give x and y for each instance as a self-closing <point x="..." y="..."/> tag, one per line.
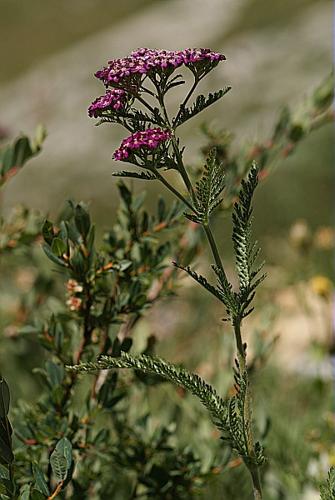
<point x="246" y="251"/>
<point x="208" y="189"/>
<point x="6" y="454"/>
<point x="82" y="220"/>
<point x="25" y="492"/>
<point x="327" y="489"/>
<point x="14" y="156"/>
<point x="3" y="489"/>
<point x="55" y="373"/>
<point x="137" y="175"/>
<point x="216" y="406"/>
<point x="58" y="247"/>
<point x="48" y="232"/>
<point x="4" y="398"/>
<point x="200" y="104"/>
<point x="61" y="459"/>
<point x="49" y="253"/>
<point x="36" y="495"/>
<point x="201" y="280"/>
<point x="40" y="482"/>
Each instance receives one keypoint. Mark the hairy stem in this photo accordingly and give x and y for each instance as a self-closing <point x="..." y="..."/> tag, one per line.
<point x="252" y="467"/>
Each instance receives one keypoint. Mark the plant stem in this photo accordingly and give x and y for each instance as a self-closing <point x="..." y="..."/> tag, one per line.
<point x="57" y="491"/>
<point x="182" y="106"/>
<point x="183" y="171"/>
<point x="256" y="482"/>
<point x="241" y="353"/>
<point x="172" y="189"/>
<point x="213" y="246"/>
<point x="180" y="162"/>
<point x="252" y="467"/>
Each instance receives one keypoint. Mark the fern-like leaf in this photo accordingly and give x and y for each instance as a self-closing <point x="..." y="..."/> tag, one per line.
<point x="246" y="251"/>
<point x="137" y="175"/>
<point x="327" y="490"/>
<point x="208" y="189"/>
<point x="201" y="280"/>
<point x="239" y="423"/>
<point x="216" y="406"/>
<point x="228" y="296"/>
<point x="200" y="104"/>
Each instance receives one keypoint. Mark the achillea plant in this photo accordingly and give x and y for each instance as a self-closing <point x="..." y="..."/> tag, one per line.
<point x="155" y="150"/>
<point x="62" y="448"/>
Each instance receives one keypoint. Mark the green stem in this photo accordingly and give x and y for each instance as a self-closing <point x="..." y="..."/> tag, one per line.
<point x="145" y="103"/>
<point x="181" y="166"/>
<point x="182" y="106"/>
<point x="247" y="417"/>
<point x="256" y="481"/>
<point x="183" y="172"/>
<point x="213" y="246"/>
<point x="172" y="189"/>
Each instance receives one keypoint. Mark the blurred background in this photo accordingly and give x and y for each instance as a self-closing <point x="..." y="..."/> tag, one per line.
<point x="277" y="53"/>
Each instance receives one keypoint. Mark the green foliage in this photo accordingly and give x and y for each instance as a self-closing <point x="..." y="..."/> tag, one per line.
<point x="14" y="156"/>
<point x="6" y="454"/>
<point x="292" y="126"/>
<point x="246" y="251"/>
<point x="228" y="416"/>
<point x="136" y="175"/>
<point x="190" y="381"/>
<point x="208" y="190"/>
<point x="327" y="490"/>
<point x="199" y="105"/>
<point x="61" y="459"/>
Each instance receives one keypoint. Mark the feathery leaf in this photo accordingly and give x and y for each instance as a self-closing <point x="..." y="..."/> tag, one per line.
<point x="200" y="104"/>
<point x="179" y="376"/>
<point x="208" y="189"/>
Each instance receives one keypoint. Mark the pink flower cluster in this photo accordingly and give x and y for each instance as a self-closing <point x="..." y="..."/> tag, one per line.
<point x="142" y="61"/>
<point x="113" y="99"/>
<point x="148" y="139"/>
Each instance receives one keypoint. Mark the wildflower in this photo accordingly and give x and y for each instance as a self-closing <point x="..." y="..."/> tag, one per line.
<point x="113" y="100"/>
<point x="146" y="61"/>
<point x="74" y="303"/>
<point x="72" y="287"/>
<point x="149" y="139"/>
<point x="200" y="55"/>
<point x="321" y="285"/>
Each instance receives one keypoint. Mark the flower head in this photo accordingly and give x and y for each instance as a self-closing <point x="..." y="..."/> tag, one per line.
<point x="149" y="139"/>
<point x="114" y="99"/>
<point x="322" y="286"/>
<point x="72" y="287"/>
<point x="74" y="303"/>
<point x="143" y="61"/>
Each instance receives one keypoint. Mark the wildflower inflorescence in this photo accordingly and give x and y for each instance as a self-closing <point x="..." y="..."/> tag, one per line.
<point x="114" y="99"/>
<point x="145" y="61"/>
<point x="149" y="139"/>
<point x="124" y="81"/>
